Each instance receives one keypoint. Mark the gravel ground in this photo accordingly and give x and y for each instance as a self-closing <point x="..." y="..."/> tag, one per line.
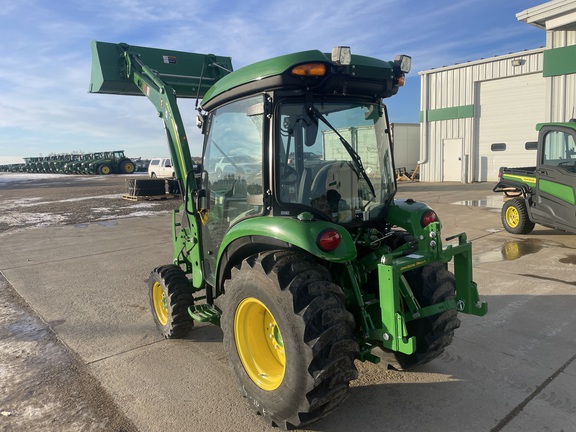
<point x="43" y="386"/>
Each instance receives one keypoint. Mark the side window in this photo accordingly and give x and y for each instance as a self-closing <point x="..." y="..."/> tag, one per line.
<point x="233" y="159"/>
<point x="559" y="149"/>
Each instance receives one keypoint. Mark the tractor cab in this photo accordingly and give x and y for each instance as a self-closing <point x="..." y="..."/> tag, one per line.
<point x="310" y="141"/>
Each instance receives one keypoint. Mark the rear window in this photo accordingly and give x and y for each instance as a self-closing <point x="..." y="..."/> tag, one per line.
<point x="155" y="162"/>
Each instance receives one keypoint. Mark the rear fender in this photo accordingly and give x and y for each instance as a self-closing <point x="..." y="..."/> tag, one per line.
<point x="408" y="214"/>
<point x="277" y="232"/>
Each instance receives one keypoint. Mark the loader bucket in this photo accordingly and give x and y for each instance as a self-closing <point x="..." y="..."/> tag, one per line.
<point x="189" y="74"/>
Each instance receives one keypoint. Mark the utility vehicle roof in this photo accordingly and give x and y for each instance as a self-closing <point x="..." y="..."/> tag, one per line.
<point x="569" y="124"/>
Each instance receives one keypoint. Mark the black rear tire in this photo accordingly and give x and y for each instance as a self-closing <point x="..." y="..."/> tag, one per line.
<point x="515" y="217"/>
<point x="170" y="296"/>
<point x="303" y="373"/>
<point x="431" y="284"/>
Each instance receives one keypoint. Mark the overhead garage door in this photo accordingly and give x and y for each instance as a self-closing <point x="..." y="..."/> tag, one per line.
<point x="508" y="110"/>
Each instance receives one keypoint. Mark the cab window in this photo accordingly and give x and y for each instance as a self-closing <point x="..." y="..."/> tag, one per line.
<point x="559" y="150"/>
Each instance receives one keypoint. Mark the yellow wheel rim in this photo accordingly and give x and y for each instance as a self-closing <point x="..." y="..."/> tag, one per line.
<point x="259" y="344"/>
<point x="129" y="168"/>
<point x="160" y="303"/>
<point x="105" y="170"/>
<point x="512" y="217"/>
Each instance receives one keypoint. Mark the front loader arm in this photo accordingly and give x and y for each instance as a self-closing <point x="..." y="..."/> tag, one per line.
<point x="163" y="76"/>
<point x="164" y="99"/>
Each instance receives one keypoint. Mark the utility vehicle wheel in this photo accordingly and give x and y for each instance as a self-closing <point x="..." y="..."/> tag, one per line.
<point x="515" y="217"/>
<point x="289" y="337"/>
<point x="431" y="284"/>
<point x="127" y="167"/>
<point x="170" y="296"/>
<point x="104" y="169"/>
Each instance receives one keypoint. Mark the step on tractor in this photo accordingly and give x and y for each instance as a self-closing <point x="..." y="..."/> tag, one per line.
<point x="289" y="236"/>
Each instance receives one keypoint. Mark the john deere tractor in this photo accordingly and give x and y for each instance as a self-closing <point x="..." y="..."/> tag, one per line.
<point x="289" y="236"/>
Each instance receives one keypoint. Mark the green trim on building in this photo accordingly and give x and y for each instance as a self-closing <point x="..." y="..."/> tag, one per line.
<point x="559" y="61"/>
<point x="561" y="191"/>
<point x="453" y="113"/>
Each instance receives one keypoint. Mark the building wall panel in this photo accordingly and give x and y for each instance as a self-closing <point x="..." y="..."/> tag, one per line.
<point x="457" y="86"/>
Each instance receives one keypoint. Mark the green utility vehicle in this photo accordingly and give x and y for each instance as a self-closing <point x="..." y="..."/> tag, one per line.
<point x="544" y="194"/>
<point x="284" y="239"/>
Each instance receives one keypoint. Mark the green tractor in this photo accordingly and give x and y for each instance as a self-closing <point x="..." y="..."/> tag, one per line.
<point x="111" y="162"/>
<point x="74" y="165"/>
<point x="289" y="235"/>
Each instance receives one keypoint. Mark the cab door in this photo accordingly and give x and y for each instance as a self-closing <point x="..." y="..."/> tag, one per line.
<point x="233" y="173"/>
<point x="555" y="203"/>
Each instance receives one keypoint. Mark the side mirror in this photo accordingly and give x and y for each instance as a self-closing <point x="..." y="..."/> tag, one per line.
<point x="311" y="133"/>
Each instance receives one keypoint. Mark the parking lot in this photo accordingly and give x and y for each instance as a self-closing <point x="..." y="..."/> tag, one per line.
<point x="512" y="370"/>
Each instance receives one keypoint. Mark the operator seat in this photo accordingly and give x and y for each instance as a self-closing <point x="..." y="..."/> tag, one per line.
<point x="336" y="179"/>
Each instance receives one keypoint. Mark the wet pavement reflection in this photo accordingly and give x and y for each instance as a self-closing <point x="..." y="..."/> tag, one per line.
<point x="514" y="249"/>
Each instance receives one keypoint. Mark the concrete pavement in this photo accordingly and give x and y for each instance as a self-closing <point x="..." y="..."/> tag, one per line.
<point x="512" y="370"/>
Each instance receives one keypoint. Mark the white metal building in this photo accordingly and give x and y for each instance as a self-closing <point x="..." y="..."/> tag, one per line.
<point x="481" y="115"/>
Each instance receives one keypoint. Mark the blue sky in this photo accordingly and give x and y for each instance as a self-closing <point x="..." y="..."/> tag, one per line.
<point x="45" y="59"/>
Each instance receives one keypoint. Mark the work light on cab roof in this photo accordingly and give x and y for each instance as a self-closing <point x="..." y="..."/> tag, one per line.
<point x="342" y="56"/>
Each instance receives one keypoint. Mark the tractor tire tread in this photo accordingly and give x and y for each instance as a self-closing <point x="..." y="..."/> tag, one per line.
<point x="179" y="294"/>
<point x="318" y="306"/>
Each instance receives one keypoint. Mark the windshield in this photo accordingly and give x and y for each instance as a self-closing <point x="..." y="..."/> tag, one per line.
<point x="336" y="159"/>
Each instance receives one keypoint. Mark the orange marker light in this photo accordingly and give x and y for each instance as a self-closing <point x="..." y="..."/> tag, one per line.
<point x="309" y="69"/>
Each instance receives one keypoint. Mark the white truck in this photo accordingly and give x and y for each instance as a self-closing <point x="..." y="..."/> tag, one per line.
<point x="161" y="168"/>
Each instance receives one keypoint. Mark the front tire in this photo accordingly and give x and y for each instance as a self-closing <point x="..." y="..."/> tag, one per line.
<point x="289" y="337"/>
<point x="170" y="296"/>
<point x="127" y="167"/>
<point x="515" y="217"/>
<point x="104" y="169"/>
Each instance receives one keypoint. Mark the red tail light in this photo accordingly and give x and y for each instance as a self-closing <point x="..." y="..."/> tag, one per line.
<point x="428" y="217"/>
<point x="328" y="240"/>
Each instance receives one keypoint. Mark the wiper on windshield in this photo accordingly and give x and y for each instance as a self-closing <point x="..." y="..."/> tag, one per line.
<point x="313" y="111"/>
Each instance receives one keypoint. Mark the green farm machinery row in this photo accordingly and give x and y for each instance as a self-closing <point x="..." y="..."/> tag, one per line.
<point x="107" y="162"/>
